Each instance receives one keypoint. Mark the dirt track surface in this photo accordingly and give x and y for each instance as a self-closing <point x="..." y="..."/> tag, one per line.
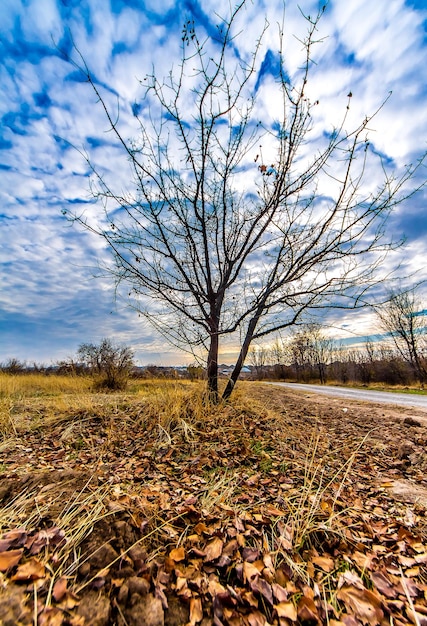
<point x="245" y="519"/>
<point x="361" y="395"/>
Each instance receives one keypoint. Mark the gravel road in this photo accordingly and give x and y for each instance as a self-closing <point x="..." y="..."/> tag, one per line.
<point x="398" y="399"/>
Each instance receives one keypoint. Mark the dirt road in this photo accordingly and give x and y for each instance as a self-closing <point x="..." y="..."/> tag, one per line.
<point x="398" y="399"/>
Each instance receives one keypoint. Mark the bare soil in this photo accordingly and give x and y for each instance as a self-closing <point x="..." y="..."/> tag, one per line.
<point x="284" y="509"/>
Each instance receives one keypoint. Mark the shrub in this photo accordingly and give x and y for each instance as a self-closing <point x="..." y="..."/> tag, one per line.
<point x="110" y="363"/>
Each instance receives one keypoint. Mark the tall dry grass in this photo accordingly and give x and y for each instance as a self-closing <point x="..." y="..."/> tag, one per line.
<point x="39" y="385"/>
<point x="175" y="413"/>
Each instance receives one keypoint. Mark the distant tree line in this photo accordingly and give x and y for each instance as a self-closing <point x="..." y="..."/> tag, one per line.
<point x="398" y="357"/>
<point x="111" y="365"/>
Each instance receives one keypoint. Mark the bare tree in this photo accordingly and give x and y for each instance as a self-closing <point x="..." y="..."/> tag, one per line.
<point x="310" y="351"/>
<point x="258" y="356"/>
<point x="299" y="354"/>
<point x="229" y="238"/>
<point x="404" y="318"/>
<point x="112" y="363"/>
<point x="321" y="349"/>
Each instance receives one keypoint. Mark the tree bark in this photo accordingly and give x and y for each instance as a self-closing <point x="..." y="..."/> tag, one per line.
<point x="212" y="367"/>
<point x="242" y="356"/>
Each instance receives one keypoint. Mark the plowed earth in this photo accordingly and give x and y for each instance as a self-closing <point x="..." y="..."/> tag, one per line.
<point x="299" y="510"/>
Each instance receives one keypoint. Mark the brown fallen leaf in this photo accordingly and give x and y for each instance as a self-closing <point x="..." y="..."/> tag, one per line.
<point x="196" y="611"/>
<point x="412" y="572"/>
<point x="213" y="549"/>
<point x="250" y="571"/>
<point x="383" y="585"/>
<point x="365" y="604"/>
<point x="350" y="620"/>
<point x="59" y="589"/>
<point x="287" y="609"/>
<point x="68" y="602"/>
<point x="362" y="560"/>
<point x="215" y="587"/>
<point x="256" y="619"/>
<point x="418" y="618"/>
<point x="307" y="611"/>
<point x="279" y="593"/>
<point x="263" y="588"/>
<point x="48" y="537"/>
<point x="274" y="512"/>
<point x="326" y="563"/>
<point x="200" y="528"/>
<point x="177" y="554"/>
<point x="406" y="561"/>
<point x="15" y="538"/>
<point x="350" y="579"/>
<point x="50" y="616"/>
<point x="31" y="570"/>
<point x="9" y="559"/>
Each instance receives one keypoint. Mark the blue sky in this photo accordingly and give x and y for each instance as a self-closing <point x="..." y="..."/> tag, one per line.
<point x="52" y="296"/>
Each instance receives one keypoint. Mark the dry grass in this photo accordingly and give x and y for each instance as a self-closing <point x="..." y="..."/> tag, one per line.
<point x="17" y="387"/>
<point x="158" y="453"/>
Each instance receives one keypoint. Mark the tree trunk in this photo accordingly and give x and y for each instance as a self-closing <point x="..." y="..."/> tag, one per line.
<point x="212" y="368"/>
<point x="242" y="356"/>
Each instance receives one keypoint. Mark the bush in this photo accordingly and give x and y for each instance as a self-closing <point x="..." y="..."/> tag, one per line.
<point x="110" y="363"/>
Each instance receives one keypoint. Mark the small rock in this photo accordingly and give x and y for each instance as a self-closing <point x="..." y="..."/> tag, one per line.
<point x="95" y="609"/>
<point x="103" y="557"/>
<point x="178" y="613"/>
<point x="410" y="421"/>
<point x="138" y="585"/>
<point x="138" y="555"/>
<point x="12" y="607"/>
<point x="122" y="596"/>
<point x="148" y="611"/>
<point x="405" y="450"/>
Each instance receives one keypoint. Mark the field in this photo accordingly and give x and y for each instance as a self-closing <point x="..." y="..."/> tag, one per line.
<point x="150" y="507"/>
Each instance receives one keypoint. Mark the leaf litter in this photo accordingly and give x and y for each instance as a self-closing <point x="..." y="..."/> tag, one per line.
<point x="274" y="510"/>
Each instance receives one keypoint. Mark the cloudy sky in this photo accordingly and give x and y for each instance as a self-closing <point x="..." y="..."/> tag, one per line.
<point x="52" y="296"/>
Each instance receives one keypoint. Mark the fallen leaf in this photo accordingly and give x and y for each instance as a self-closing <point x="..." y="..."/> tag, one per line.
<point x="213" y="549"/>
<point x="350" y="578"/>
<point x="279" y="593"/>
<point x="406" y="561"/>
<point x="260" y="586"/>
<point x="364" y="603"/>
<point x="50" y="616"/>
<point x="273" y="511"/>
<point x="48" y="537"/>
<point x="177" y="554"/>
<point x="10" y="559"/>
<point x="383" y="585"/>
<point x="250" y="571"/>
<point x="324" y="562"/>
<point x="196" y="611"/>
<point x="31" y="570"/>
<point x="59" y="589"/>
<point x="286" y="609"/>
<point x="362" y="560"/>
<point x="412" y="572"/>
<point x="256" y="619"/>
<point x="215" y="587"/>
<point x="68" y="602"/>
<point x="307" y="611"/>
<point x="13" y="539"/>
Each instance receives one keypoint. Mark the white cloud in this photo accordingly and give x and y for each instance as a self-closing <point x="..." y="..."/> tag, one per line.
<point x="45" y="261"/>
